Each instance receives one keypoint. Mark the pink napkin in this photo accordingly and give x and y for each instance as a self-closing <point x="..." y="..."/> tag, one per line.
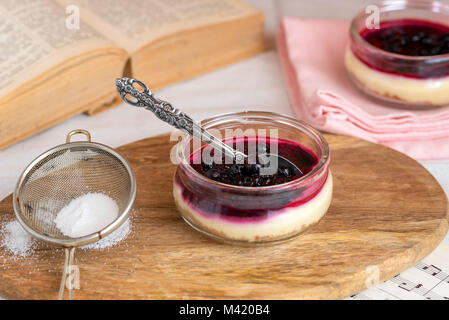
<point x="311" y="53"/>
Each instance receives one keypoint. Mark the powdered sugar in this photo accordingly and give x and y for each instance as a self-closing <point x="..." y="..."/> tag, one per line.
<point x="16" y="240"/>
<point x="86" y="214"/>
<point x="113" y="239"/>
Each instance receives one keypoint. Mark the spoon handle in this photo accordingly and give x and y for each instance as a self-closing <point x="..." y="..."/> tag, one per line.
<point x="167" y="113"/>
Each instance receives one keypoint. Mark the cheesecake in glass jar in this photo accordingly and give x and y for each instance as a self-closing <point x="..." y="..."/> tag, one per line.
<point x="235" y="202"/>
<point x="405" y="59"/>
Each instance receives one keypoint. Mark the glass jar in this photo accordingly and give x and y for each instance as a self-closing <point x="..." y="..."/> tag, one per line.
<point x="254" y="215"/>
<point x="411" y="81"/>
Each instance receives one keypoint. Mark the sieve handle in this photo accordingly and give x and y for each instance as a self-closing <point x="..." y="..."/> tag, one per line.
<point x="78" y="131"/>
<point x="167" y="113"/>
<point x="68" y="269"/>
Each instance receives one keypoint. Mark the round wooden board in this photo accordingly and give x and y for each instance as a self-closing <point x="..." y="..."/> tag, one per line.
<point x="387" y="211"/>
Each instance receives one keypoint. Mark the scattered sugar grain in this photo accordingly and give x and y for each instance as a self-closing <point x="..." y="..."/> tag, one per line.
<point x="16" y="240"/>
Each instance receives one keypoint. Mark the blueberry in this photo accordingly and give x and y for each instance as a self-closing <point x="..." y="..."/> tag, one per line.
<point x="415" y="38"/>
<point x="436" y="50"/>
<point x="426" y="40"/>
<point x="240" y="168"/>
<point x="246" y="180"/>
<point x="283" y="170"/>
<point x="233" y="171"/>
<point x="394" y="47"/>
<point x="245" y="170"/>
<point x="253" y="169"/>
<point x="404" y="40"/>
<point x="212" y="174"/>
<point x="206" y="166"/>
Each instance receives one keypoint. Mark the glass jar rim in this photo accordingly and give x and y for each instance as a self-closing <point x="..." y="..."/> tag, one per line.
<point x="435" y="6"/>
<point x="298" y="124"/>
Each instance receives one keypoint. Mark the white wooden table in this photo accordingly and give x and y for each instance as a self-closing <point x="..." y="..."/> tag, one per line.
<point x="254" y="84"/>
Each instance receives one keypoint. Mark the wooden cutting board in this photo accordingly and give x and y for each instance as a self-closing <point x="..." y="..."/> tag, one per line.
<point x="387" y="213"/>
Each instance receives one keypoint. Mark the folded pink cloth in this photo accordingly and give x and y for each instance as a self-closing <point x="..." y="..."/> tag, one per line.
<point x="311" y="54"/>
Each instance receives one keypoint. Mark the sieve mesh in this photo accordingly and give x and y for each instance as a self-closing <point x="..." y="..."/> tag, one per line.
<point x="65" y="174"/>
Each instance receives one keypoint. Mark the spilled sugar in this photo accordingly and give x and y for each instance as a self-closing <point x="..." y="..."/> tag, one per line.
<point x="20" y="244"/>
<point x="84" y="215"/>
<point x="16" y="240"/>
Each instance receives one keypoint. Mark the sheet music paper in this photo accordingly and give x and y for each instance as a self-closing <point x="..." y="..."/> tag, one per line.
<point x="428" y="279"/>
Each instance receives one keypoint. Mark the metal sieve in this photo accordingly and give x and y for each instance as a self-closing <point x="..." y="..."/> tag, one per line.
<point x="62" y="174"/>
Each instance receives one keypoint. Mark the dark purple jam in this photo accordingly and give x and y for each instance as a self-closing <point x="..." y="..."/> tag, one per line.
<point x="410" y="37"/>
<point x="248" y="175"/>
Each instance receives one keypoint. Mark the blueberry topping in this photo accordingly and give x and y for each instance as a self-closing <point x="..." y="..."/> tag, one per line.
<point x="249" y="175"/>
<point x="410" y="38"/>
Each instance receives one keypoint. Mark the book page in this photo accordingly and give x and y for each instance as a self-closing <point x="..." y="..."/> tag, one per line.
<point x="34" y="38"/>
<point x="134" y="24"/>
<point x="427" y="280"/>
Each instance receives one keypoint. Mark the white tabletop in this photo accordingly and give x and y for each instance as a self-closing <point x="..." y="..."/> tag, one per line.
<point x="253" y="84"/>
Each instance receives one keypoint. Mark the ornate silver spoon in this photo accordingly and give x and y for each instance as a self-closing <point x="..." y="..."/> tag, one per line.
<point x="176" y="118"/>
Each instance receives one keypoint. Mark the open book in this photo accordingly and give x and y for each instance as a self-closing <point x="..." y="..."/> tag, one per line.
<point x="49" y="72"/>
